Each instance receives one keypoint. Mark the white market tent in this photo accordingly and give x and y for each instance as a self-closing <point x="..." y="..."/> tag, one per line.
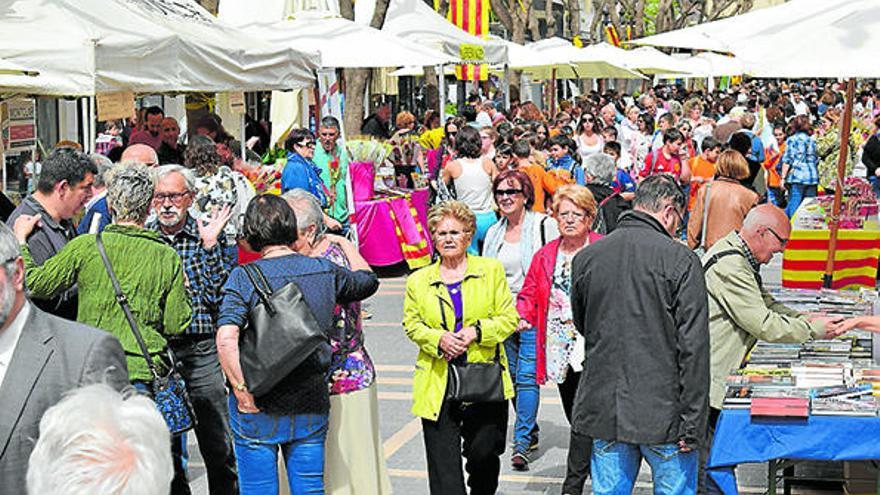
<point x="801" y="38"/>
<point x="82" y="47"/>
<point x="646" y="62"/>
<point x="720" y="36"/>
<point x="584" y="64"/>
<point x="344" y="44"/>
<point x="709" y="64"/>
<point x="416" y="22"/>
<point x="13" y="69"/>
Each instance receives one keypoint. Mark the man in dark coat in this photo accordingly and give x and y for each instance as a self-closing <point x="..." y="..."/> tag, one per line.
<point x="639" y="298"/>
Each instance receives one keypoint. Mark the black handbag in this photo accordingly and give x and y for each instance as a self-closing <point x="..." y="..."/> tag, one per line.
<point x="282" y="332"/>
<point x="167" y="391"/>
<point x="474" y="382"/>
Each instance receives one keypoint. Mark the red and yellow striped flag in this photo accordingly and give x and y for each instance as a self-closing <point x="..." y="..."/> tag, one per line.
<point x="855" y="261"/>
<point x="473" y="17"/>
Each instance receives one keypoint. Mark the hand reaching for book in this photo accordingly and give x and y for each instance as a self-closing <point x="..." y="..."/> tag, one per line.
<point x="870" y="323"/>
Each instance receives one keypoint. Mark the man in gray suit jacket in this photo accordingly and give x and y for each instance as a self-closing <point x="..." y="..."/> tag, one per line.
<point x="41" y="358"/>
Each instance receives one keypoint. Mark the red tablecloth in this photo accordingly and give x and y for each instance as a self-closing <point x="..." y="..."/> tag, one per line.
<point x="376" y="230"/>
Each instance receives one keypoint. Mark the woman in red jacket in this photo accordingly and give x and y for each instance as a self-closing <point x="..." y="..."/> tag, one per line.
<point x="544" y="303"/>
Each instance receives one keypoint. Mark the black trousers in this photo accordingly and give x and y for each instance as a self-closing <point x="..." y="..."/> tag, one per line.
<point x="206" y="385"/>
<point x="580" y="447"/>
<point x="705" y="484"/>
<point x="475" y="431"/>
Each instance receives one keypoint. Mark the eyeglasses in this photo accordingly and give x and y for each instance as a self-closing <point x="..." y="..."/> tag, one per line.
<point x="782" y="242"/>
<point x="572" y="215"/>
<point x="455" y="234"/>
<point x="175" y="198"/>
<point x="500" y="193"/>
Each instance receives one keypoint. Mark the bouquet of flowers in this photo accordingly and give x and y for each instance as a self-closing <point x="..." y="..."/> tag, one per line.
<point x="367" y="151"/>
<point x="265" y="178"/>
<point x="828" y="149"/>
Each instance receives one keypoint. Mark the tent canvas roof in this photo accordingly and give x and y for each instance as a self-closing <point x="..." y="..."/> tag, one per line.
<point x="345" y="44"/>
<point x="82" y="47"/>
<point x="419" y="24"/>
<point x="584" y="64"/>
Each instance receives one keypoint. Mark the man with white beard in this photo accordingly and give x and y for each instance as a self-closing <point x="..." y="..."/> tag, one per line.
<point x="42" y="357"/>
<point x="200" y="245"/>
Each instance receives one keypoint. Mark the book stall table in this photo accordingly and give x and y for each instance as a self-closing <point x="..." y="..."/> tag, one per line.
<point x="388" y="226"/>
<point x="391" y="218"/>
<point x="802" y="402"/>
<point x="858" y="241"/>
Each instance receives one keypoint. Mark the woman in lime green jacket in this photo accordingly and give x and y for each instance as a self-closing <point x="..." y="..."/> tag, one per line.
<point x="459" y="310"/>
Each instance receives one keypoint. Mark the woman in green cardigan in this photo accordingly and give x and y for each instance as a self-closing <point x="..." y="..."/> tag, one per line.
<point x="149" y="271"/>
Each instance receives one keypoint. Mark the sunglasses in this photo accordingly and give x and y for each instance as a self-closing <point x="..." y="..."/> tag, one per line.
<point x="500" y="193"/>
<point x="306" y="144"/>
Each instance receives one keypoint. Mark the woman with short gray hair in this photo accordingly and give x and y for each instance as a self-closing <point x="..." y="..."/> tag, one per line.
<point x="601" y="171"/>
<point x="155" y="290"/>
<point x="354" y="445"/>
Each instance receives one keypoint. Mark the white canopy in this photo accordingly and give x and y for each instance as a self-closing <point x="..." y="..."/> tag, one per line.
<point x="343" y="43"/>
<point x="647" y="60"/>
<point x="584" y="64"/>
<point x="708" y="64"/>
<point x="11" y="68"/>
<point x="82" y="47"/>
<point x="419" y="24"/>
<point x="720" y="35"/>
<point x="801" y="38"/>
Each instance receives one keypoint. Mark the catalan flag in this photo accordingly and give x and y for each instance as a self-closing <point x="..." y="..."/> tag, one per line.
<point x="471" y="16"/>
<point x="855" y="261"/>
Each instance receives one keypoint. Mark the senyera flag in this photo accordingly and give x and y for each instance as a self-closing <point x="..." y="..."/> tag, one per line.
<point x="471" y="16"/>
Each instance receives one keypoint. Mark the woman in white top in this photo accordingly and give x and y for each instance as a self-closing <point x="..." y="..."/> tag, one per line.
<point x="588" y="140"/>
<point x="472" y="176"/>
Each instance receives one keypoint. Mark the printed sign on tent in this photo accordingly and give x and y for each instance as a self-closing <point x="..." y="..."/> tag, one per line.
<point x="116" y="105"/>
<point x="19" y="124"/>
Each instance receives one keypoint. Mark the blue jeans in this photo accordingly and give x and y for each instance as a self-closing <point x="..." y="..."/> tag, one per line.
<point x="615" y="466"/>
<point x="484" y="221"/>
<point x="796" y="195"/>
<point x="520" y="350"/>
<point x="257" y="440"/>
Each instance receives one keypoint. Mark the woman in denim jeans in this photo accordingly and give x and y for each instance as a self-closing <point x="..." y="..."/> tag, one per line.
<point x="513" y="241"/>
<point x="292" y="416"/>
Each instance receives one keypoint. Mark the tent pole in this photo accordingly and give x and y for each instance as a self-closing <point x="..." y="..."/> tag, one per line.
<point x="91" y="127"/>
<point x="506" y="87"/>
<point x="243" y="123"/>
<point x="441" y="90"/>
<point x="845" y="127"/>
<point x="552" y="93"/>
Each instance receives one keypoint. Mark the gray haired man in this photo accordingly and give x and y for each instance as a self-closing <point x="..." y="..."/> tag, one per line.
<point x="42" y="357"/>
<point x="200" y="246"/>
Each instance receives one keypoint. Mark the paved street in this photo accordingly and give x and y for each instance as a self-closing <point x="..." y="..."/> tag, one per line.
<point x="395" y="356"/>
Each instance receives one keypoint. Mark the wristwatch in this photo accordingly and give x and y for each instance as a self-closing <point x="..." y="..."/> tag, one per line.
<point x="241" y="386"/>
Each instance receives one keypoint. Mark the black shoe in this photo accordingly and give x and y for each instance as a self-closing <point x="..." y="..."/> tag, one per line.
<point x="533" y="443"/>
<point x="519" y="461"/>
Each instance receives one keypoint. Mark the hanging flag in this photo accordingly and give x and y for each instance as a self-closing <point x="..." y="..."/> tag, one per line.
<point x="471" y="16"/>
<point x="611" y="34"/>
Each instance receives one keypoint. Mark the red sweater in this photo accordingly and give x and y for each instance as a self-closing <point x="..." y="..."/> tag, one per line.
<point x="533" y="301"/>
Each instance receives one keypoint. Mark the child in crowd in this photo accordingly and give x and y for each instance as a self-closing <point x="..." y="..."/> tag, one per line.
<point x="702" y="167"/>
<point x="561" y="164"/>
<point x="623" y="183"/>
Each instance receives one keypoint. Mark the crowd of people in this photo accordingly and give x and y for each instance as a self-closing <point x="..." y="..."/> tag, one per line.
<point x="612" y="248"/>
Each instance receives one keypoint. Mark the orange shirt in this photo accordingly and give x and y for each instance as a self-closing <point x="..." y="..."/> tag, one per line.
<point x="544" y="183"/>
<point x="700" y="167"/>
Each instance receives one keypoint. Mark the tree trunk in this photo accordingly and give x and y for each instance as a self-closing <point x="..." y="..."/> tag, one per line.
<point x="550" y="19"/>
<point x="432" y="89"/>
<point x="357" y="80"/>
<point x="574" y="17"/>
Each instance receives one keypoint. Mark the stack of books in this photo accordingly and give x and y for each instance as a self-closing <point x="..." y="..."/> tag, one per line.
<point x="844" y="401"/>
<point x="823" y="377"/>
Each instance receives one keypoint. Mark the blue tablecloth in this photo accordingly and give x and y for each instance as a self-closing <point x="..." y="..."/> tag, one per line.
<point x="740" y="439"/>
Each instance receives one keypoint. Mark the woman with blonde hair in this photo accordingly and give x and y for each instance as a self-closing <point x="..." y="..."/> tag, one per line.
<point x="459" y="311"/>
<point x="722" y="205"/>
<point x="544" y="302"/>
